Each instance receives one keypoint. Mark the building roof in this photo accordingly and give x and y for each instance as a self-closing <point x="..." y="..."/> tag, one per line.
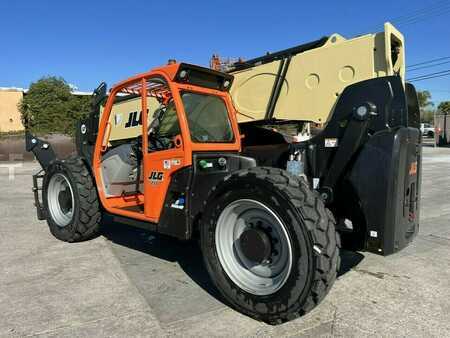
<point x="25" y="90"/>
<point x="13" y="89"/>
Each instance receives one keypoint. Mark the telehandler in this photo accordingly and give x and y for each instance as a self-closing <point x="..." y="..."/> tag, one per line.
<point x="269" y="165"/>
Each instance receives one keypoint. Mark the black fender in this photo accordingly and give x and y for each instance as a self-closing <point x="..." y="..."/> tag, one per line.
<point x="386" y="177"/>
<point x="193" y="185"/>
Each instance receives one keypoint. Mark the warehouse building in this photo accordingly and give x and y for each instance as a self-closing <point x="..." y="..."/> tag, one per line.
<point x="10" y="120"/>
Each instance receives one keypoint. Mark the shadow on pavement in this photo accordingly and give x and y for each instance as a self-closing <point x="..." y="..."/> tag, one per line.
<point x="349" y="259"/>
<point x="187" y="254"/>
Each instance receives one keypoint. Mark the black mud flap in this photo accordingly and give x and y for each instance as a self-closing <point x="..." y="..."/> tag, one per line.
<point x="42" y="150"/>
<point x="45" y="155"/>
<point x="387" y="179"/>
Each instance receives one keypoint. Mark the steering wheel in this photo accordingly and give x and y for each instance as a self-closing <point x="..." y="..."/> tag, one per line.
<point x="161" y="142"/>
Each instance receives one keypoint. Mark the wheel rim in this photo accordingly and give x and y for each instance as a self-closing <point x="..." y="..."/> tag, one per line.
<point x="258" y="278"/>
<point x="60" y="200"/>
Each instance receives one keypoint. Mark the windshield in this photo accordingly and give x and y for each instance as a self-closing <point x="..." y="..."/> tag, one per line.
<point x="207" y="116"/>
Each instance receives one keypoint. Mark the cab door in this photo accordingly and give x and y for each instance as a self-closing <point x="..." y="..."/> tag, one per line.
<point x="164" y="153"/>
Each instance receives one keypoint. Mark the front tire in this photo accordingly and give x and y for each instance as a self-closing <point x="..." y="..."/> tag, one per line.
<point x="251" y="206"/>
<point x="70" y="201"/>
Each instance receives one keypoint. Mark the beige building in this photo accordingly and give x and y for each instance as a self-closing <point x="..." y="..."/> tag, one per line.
<point x="9" y="113"/>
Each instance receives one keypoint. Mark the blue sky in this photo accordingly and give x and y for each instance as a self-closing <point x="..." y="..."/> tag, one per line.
<point x="91" y="41"/>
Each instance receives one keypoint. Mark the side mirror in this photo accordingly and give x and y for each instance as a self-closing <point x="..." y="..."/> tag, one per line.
<point x="99" y="94"/>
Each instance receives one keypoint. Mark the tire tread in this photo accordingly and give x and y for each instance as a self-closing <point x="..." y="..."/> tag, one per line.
<point x="87" y="224"/>
<point x="320" y="225"/>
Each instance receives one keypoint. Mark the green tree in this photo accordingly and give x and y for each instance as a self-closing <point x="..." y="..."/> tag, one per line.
<point x="427" y="116"/>
<point x="50" y="107"/>
<point x="444" y="107"/>
<point x="424" y="98"/>
<point x="425" y="106"/>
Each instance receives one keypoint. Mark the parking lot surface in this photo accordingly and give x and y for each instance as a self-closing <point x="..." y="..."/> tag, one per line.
<point x="129" y="282"/>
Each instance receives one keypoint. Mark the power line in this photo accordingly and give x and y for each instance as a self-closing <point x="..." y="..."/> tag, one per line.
<point x="417" y="11"/>
<point x="424" y="18"/>
<point x="430" y="76"/>
<point x="424" y="15"/>
<point x="425" y="12"/>
<point x="436" y="9"/>
<point x="429" y="61"/>
<point x="428" y="66"/>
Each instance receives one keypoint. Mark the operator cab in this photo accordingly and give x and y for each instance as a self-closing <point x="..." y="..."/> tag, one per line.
<point x="180" y="109"/>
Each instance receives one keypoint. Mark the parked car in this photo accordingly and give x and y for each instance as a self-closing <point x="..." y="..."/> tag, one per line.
<point x="427" y="129"/>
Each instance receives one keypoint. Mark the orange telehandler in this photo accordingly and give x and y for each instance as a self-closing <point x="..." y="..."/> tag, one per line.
<point x="267" y="182"/>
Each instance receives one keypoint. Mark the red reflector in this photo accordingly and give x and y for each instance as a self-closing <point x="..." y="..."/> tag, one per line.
<point x="413" y="169"/>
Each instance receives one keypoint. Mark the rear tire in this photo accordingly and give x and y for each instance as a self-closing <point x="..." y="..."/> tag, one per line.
<point x="70" y="201"/>
<point x="313" y="244"/>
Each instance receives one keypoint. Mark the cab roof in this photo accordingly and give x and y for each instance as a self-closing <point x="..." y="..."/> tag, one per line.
<point x="190" y="74"/>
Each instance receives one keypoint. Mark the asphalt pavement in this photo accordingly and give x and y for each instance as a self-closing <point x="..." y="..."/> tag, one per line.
<point x="129" y="282"/>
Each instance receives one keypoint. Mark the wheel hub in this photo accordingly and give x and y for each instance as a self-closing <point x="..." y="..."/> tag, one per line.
<point x="65" y="200"/>
<point x="60" y="199"/>
<point x="255" y="245"/>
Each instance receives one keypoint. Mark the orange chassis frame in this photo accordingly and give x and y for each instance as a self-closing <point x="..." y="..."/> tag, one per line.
<point x="154" y="194"/>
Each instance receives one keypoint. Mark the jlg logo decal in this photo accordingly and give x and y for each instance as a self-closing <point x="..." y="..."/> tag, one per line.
<point x="134" y="119"/>
<point x="156" y="177"/>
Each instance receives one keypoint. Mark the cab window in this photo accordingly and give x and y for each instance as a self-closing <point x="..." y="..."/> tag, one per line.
<point x="163" y="127"/>
<point x="207" y="117"/>
<point x="169" y="126"/>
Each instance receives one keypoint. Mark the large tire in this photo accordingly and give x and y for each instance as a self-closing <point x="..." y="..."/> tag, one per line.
<point x="314" y="244"/>
<point x="71" y="201"/>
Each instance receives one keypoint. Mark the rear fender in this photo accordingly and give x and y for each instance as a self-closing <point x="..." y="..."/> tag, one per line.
<point x="386" y="177"/>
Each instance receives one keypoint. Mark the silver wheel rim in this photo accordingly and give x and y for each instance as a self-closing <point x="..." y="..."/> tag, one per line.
<point x="255" y="278"/>
<point x="60" y="199"/>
